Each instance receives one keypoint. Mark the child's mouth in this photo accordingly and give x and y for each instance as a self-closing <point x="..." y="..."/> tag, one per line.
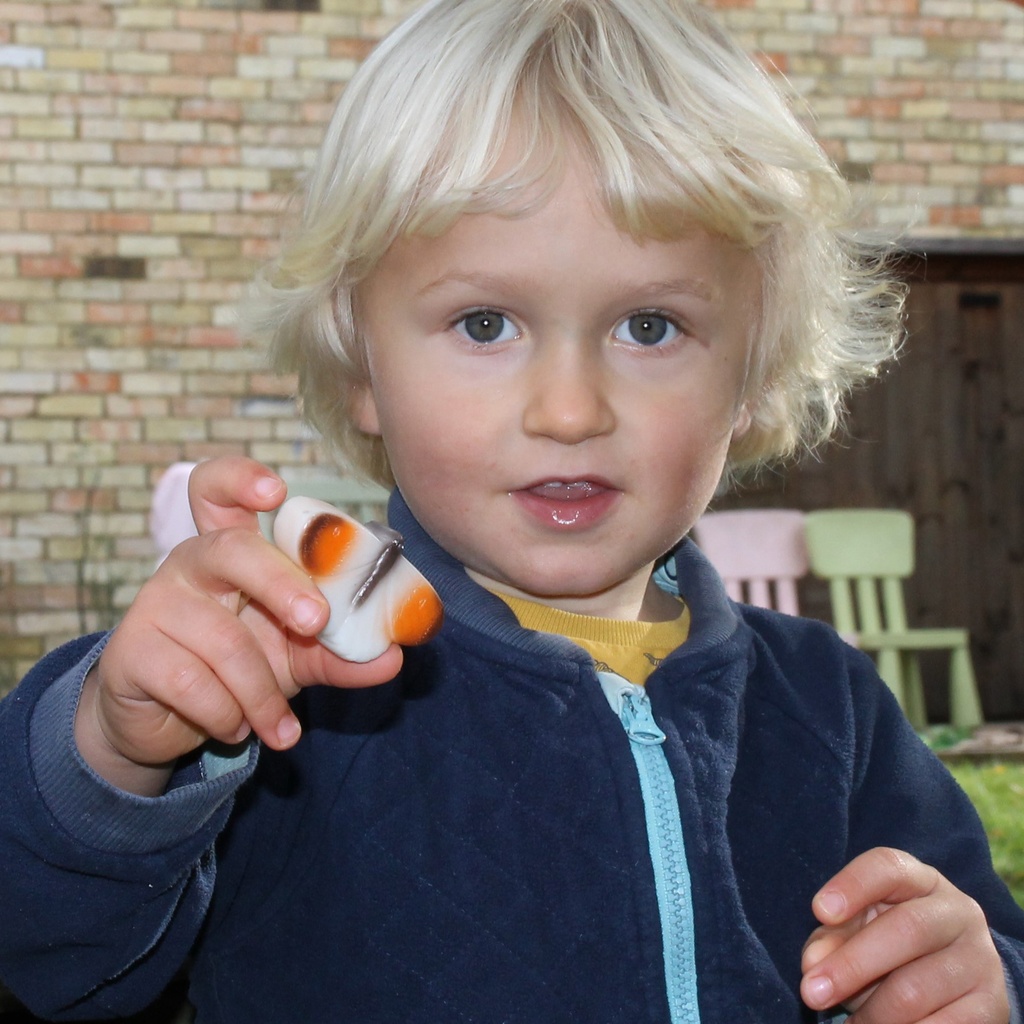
<point x="568" y="503"/>
<point x="567" y="490"/>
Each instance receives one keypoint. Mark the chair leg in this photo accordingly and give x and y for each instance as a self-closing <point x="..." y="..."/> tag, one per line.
<point x="913" y="691"/>
<point x="964" y="704"/>
<point x="888" y="662"/>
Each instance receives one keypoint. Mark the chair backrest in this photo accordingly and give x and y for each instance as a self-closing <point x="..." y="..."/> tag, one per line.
<point x="864" y="554"/>
<point x="359" y="498"/>
<point x="170" y="518"/>
<point x="759" y="553"/>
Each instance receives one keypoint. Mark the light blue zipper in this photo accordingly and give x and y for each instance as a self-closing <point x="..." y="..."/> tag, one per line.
<point x="665" y="839"/>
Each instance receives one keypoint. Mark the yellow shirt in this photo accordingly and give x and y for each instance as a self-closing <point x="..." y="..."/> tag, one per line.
<point x="633" y="650"/>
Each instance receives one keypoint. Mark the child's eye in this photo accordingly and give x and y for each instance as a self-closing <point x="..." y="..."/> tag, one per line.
<point x="485" y="326"/>
<point x="646" y="329"/>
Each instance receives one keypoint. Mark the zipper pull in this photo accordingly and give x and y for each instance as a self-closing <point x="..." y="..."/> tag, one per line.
<point x="638" y="720"/>
<point x="632" y="707"/>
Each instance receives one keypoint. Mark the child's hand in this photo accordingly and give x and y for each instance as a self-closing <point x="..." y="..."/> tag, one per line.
<point x="899" y="943"/>
<point x="214" y="644"/>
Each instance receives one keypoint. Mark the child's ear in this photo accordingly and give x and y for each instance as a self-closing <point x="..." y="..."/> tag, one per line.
<point x="741" y="424"/>
<point x="364" y="410"/>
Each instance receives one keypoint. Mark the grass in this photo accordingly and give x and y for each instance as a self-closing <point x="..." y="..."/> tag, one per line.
<point x="997" y="790"/>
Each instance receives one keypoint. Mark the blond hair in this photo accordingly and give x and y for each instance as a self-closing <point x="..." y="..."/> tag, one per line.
<point x="680" y="128"/>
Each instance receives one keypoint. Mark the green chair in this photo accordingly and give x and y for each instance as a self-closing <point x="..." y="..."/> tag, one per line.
<point x="865" y="555"/>
<point x="361" y="499"/>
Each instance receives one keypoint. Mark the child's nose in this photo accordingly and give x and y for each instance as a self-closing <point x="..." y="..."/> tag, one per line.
<point x="567" y="397"/>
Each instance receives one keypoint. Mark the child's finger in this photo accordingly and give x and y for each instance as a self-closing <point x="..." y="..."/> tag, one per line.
<point x="232" y="665"/>
<point x="935" y="989"/>
<point x="179" y="684"/>
<point x="823" y="943"/>
<point x="879" y="876"/>
<point x="229" y="563"/>
<point x="206" y="666"/>
<point x="901" y="939"/>
<point x="229" y="491"/>
<point x="314" y="664"/>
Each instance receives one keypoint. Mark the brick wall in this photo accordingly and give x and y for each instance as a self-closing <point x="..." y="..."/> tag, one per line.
<point x="145" y="149"/>
<point x="920" y="100"/>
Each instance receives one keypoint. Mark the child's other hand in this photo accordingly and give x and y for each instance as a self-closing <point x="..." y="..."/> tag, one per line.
<point x="215" y="642"/>
<point x="900" y="944"/>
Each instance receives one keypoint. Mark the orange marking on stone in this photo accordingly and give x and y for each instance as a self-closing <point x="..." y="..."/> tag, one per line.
<point x="325" y="543"/>
<point x="419" y="617"/>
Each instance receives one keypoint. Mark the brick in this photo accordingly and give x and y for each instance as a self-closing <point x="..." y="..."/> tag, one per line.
<point x="298" y="46"/>
<point x="176" y="85"/>
<point x="152" y="384"/>
<point x="28" y="336"/>
<point x="109" y="129"/>
<point x="26" y="242"/>
<point x="80" y="199"/>
<point x="237" y="89"/>
<point x="47" y="82"/>
<point x="175" y="430"/>
<point x="239" y="430"/>
<point x="111" y="177"/>
<point x="209" y="20"/>
<point x="205" y="65"/>
<point x="51" y="175"/>
<point x="239" y="178"/>
<point x="45" y="431"/>
<point x="183" y="223"/>
<point x="22" y="503"/>
<point x="55" y="222"/>
<point x="77" y="59"/>
<point x="49" y="266"/>
<point x="173" y="131"/>
<point x="29" y="383"/>
<point x="54" y="313"/>
<point x="67" y="623"/>
<point x="180" y="314"/>
<point x="1000" y="176"/>
<point x="342" y="69"/>
<point x="203" y="109"/>
<point x="266" y="67"/>
<point x="147" y="245"/>
<point x="25" y="105"/>
<point x="95" y="383"/>
<point x="348" y="47"/>
<point x="50" y="525"/>
<point x="138" y="62"/>
<point x="21" y="549"/>
<point x="74" y="406"/>
<point x="351" y="7"/>
<point x="145" y="16"/>
<point x="27" y="12"/>
<point x="146" y="108"/>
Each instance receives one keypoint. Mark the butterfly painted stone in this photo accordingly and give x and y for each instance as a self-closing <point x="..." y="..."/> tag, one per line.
<point x="377" y="596"/>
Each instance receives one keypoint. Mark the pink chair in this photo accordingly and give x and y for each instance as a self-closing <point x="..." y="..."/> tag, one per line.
<point x="170" y="518"/>
<point x="759" y="553"/>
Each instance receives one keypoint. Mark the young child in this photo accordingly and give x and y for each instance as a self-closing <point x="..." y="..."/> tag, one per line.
<point x="561" y="265"/>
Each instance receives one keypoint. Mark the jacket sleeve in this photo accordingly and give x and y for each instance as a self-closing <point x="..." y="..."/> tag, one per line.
<point x="904" y="797"/>
<point x="102" y="892"/>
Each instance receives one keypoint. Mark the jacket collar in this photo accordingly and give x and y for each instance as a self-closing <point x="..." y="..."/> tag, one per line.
<point x="685" y="572"/>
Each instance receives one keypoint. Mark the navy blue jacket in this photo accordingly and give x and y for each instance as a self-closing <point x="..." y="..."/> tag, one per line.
<point x="469" y="843"/>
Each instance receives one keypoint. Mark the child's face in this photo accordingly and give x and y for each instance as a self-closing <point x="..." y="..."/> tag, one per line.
<point x="557" y="400"/>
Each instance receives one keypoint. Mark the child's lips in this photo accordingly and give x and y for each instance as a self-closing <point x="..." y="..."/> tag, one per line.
<point x="568" y="504"/>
